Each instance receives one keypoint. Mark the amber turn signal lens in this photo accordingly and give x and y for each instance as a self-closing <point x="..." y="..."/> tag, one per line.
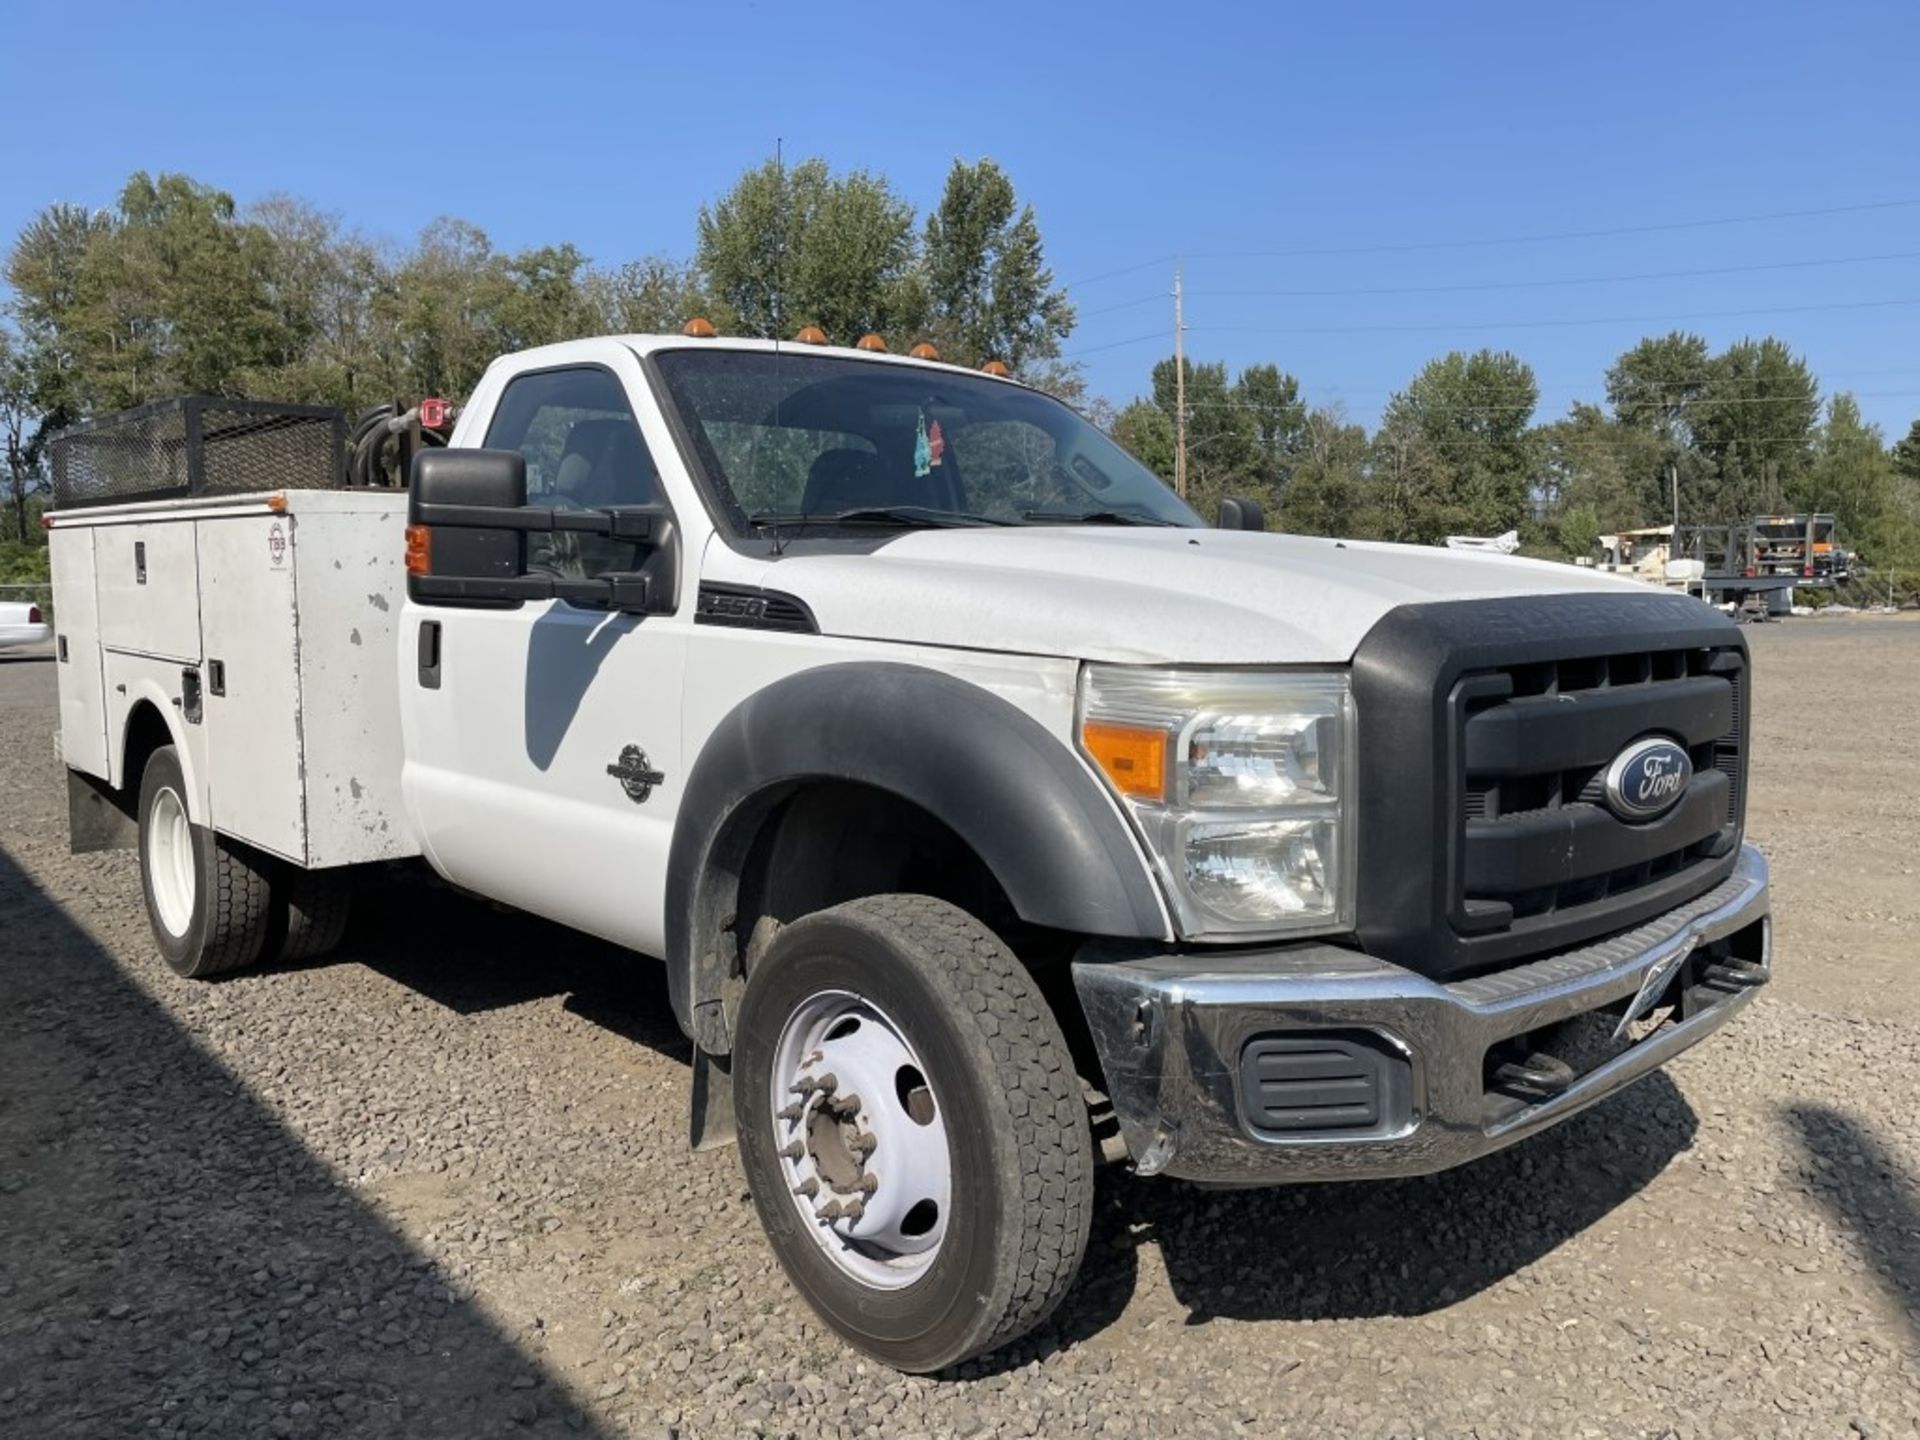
<point x="419" y="550"/>
<point x="870" y="341"/>
<point x="1134" y="759"/>
<point x="699" y="328"/>
<point x="811" y="335"/>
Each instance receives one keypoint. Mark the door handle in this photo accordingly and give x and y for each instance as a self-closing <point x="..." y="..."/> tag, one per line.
<point x="428" y="654"/>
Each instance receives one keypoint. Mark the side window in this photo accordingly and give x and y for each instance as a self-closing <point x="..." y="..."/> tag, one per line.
<point x="584" y="451"/>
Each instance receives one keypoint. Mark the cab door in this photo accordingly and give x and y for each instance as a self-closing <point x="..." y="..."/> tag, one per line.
<point x="544" y="753"/>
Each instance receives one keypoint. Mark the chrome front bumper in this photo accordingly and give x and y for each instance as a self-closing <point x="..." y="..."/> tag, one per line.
<point x="1172" y="1030"/>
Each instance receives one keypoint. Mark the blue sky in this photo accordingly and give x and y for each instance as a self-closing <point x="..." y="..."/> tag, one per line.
<point x="1236" y="137"/>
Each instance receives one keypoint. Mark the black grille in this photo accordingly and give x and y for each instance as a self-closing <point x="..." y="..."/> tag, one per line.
<point x="1538" y="839"/>
<point x="1485" y="728"/>
<point x="199" y="445"/>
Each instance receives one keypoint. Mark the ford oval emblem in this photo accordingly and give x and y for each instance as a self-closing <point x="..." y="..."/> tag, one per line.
<point x="1647" y="779"/>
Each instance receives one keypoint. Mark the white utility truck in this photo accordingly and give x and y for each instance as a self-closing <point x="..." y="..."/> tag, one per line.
<point x="965" y="782"/>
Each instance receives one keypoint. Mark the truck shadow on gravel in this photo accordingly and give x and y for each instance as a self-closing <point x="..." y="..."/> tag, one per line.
<point x="173" y="1260"/>
<point x="1869" y="1193"/>
<point x="1364" y="1249"/>
<point x="472" y="957"/>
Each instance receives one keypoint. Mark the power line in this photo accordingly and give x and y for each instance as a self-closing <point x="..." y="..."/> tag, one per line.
<point x="1567" y="321"/>
<point x="1548" y="284"/>
<point x="1711" y="402"/>
<point x="1512" y="324"/>
<point x="1408" y="247"/>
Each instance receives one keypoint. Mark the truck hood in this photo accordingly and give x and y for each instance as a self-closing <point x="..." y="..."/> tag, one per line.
<point x="1140" y="595"/>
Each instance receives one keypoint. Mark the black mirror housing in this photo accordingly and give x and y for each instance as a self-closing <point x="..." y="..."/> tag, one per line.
<point x="1239" y="513"/>
<point x="444" y="480"/>
<point x="467" y="523"/>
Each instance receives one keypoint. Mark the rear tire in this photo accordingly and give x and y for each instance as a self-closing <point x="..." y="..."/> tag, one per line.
<point x="936" y="1025"/>
<point x="313" y="909"/>
<point x="208" y="897"/>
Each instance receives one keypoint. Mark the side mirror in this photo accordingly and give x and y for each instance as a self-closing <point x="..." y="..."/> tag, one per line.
<point x="450" y="559"/>
<point x="1238" y="513"/>
<point x="467" y="523"/>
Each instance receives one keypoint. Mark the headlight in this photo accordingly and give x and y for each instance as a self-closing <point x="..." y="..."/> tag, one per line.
<point x="1238" y="781"/>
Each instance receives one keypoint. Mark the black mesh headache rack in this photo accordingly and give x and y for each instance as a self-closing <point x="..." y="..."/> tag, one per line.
<point x="199" y="445"/>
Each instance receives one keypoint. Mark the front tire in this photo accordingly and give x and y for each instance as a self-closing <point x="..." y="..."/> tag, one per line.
<point x="208" y="897"/>
<point x="912" y="1130"/>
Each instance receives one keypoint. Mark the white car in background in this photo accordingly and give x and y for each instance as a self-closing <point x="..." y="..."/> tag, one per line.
<point x="22" y="624"/>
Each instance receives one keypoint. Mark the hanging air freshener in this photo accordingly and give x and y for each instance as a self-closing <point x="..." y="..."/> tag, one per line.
<point x="936" y="445"/>
<point x="922" y="451"/>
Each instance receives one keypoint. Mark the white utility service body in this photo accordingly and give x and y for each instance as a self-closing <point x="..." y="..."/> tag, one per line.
<point x="288" y="607"/>
<point x="966" y="736"/>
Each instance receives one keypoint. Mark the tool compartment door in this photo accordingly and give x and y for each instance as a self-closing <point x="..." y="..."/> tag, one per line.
<point x="149" y="589"/>
<point x="250" y="681"/>
<point x="76" y="623"/>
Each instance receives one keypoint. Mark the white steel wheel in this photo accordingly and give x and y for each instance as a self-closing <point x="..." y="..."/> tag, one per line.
<point x="862" y="1139"/>
<point x="170" y="861"/>
<point x="911" y="1129"/>
<point x="207" y="895"/>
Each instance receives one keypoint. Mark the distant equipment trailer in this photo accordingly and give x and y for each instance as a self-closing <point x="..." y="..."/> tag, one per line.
<point x="1767" y="558"/>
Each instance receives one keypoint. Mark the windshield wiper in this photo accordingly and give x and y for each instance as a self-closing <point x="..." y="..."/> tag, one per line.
<point x="1089" y="517"/>
<point x="914" y="516"/>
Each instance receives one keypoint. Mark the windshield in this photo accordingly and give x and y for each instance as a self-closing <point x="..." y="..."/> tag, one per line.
<point x="797" y="435"/>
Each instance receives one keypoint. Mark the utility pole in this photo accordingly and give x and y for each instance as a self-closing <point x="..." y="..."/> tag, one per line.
<point x="1673" y="475"/>
<point x="1179" y="392"/>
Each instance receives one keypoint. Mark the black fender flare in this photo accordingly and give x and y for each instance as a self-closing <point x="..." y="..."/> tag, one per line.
<point x="1007" y="787"/>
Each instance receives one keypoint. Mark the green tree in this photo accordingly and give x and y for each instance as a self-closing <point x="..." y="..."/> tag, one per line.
<point x="1579" y="530"/>
<point x="1145" y="431"/>
<point x="788" y="247"/>
<point x="1326" y="491"/>
<point x="654" y="296"/>
<point x="22" y="431"/>
<point x="1853" y="477"/>
<point x="989" y="291"/>
<point x="1470" y="416"/>
<point x="1754" y="422"/>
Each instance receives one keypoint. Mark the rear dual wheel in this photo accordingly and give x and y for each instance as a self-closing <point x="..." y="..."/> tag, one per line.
<point x="912" y="1130"/>
<point x="216" y="905"/>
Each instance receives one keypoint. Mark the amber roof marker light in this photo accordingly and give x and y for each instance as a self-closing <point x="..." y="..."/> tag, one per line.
<point x="810" y="335"/>
<point x="700" y="328"/>
<point x="870" y="341"/>
<point x="997" y="367"/>
<point x="925" y="350"/>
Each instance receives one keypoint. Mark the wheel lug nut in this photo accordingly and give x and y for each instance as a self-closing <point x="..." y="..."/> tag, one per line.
<point x="852" y="1210"/>
<point x="828" y="1213"/>
<point x="807" y="1188"/>
<point x="792" y="1112"/>
<point x="794" y="1151"/>
<point x="869" y="1183"/>
<point x="827" y="1083"/>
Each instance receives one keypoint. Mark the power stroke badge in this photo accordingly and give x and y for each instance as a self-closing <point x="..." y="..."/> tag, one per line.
<point x="635" y="773"/>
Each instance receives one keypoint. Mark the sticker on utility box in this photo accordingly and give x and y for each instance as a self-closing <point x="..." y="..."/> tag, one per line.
<point x="277" y="544"/>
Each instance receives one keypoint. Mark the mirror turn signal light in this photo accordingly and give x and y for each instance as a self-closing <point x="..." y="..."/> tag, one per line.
<point x="419" y="550"/>
<point x="1132" y="757"/>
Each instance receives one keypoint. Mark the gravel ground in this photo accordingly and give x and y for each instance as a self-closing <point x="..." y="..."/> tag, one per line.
<point x="439" y="1186"/>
